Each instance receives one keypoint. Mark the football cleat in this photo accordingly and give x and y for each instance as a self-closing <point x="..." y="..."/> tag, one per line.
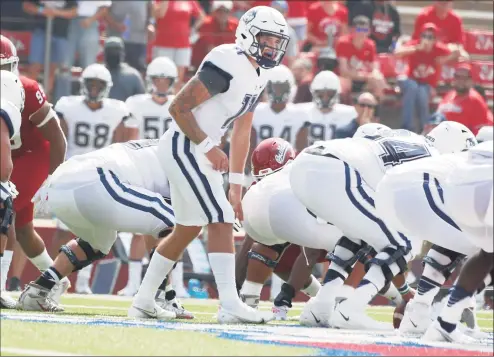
<point x="173" y="305"/>
<point x="280" y="312"/>
<point x="6" y="302"/>
<point x="150" y="312"/>
<point x="316" y="314"/>
<point x="417" y="318"/>
<point x="250" y="300"/>
<point x="128" y="291"/>
<point x="243" y="314"/>
<point x="36" y="298"/>
<point x="59" y="289"/>
<point x="435" y="333"/>
<point x="354" y="318"/>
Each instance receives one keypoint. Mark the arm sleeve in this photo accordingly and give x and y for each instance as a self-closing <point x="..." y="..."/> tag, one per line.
<point x="214" y="78"/>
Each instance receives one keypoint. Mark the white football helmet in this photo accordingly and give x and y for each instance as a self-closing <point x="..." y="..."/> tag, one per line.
<point x="280" y="84"/>
<point x="91" y="75"/>
<point x="485" y="133"/>
<point x="370" y="129"/>
<point x="450" y="137"/>
<point x="161" y="67"/>
<point x="262" y="21"/>
<point x="8" y="54"/>
<point x="325" y="89"/>
<point x="12" y="89"/>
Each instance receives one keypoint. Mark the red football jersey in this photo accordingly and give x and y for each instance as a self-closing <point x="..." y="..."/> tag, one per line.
<point x="30" y="137"/>
<point x="469" y="110"/>
<point x="422" y="66"/>
<point x="359" y="59"/>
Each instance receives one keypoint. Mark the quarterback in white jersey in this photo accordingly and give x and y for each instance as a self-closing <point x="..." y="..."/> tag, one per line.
<point x="411" y="199"/>
<point x="274" y="218"/>
<point x="224" y="91"/>
<point x="151" y="109"/>
<point x="326" y="114"/>
<point x="278" y="118"/>
<point x="11" y="105"/>
<point x="90" y="122"/>
<point x="117" y="188"/>
<point x="347" y="171"/>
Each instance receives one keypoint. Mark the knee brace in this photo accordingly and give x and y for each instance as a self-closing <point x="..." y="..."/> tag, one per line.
<point x="353" y="247"/>
<point x="270" y="263"/>
<point x="91" y="255"/>
<point x="447" y="269"/>
<point x="396" y="255"/>
<point x="6" y="214"/>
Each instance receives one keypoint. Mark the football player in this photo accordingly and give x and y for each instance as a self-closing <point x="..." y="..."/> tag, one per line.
<point x="151" y="113"/>
<point x="91" y="121"/>
<point x="326" y="114"/>
<point x="468" y="197"/>
<point x="12" y="103"/>
<point x="352" y="168"/>
<point x="223" y="92"/>
<point x="274" y="218"/>
<point x="486" y="133"/>
<point x="410" y="199"/>
<point x="278" y="118"/>
<point x="128" y="185"/>
<point x="38" y="150"/>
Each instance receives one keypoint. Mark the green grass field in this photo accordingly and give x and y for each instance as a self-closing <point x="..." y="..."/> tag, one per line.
<point x="97" y="325"/>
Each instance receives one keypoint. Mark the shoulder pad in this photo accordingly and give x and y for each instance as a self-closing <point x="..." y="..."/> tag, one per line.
<point x="12" y="117"/>
<point x="224" y="57"/>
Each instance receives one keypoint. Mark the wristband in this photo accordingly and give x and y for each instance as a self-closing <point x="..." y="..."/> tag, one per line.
<point x="236" y="178"/>
<point x="40" y="9"/>
<point x="206" y="145"/>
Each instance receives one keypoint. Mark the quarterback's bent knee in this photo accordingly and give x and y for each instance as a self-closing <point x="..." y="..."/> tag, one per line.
<point x="91" y="254"/>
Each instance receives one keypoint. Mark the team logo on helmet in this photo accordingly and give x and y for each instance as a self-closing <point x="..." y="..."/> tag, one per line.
<point x="249" y="16"/>
<point x="281" y="154"/>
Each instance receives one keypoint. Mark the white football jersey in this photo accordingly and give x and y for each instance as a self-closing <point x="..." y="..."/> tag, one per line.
<point x="323" y="125"/>
<point x="373" y="156"/>
<point x="215" y="115"/>
<point x="12" y="117"/>
<point x="285" y="124"/>
<point x="153" y="119"/>
<point x="134" y="162"/>
<point x="90" y="130"/>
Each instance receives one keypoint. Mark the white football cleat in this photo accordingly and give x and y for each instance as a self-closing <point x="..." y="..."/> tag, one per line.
<point x="128" y="291"/>
<point x="243" y="314"/>
<point x="417" y="318"/>
<point x="435" y="333"/>
<point x="251" y="300"/>
<point x="354" y="318"/>
<point x="59" y="289"/>
<point x="6" y="302"/>
<point x="316" y="314"/>
<point x="475" y="333"/>
<point x="173" y="306"/>
<point x="150" y="312"/>
<point x="280" y="312"/>
<point x="36" y="298"/>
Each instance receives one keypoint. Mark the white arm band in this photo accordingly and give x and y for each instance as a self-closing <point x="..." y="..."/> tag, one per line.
<point x="51" y="114"/>
<point x="236" y="178"/>
<point x="206" y="145"/>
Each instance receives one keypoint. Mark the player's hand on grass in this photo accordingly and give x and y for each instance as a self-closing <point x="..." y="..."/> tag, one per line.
<point x="235" y="197"/>
<point x="218" y="159"/>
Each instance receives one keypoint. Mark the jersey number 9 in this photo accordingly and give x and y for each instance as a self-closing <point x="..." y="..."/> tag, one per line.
<point x="83" y="135"/>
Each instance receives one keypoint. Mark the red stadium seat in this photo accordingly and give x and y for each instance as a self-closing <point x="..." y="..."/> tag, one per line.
<point x="21" y="41"/>
<point x="479" y="42"/>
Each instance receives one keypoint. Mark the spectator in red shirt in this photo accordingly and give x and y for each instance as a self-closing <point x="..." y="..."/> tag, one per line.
<point x="173" y="30"/>
<point x="464" y="104"/>
<point x="449" y="24"/>
<point x="425" y="58"/>
<point x="218" y="28"/>
<point x="326" y="21"/>
<point x="297" y="19"/>
<point x="356" y="54"/>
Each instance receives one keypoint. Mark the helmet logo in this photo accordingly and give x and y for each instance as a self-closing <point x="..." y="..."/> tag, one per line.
<point x="249" y="16"/>
<point x="281" y="154"/>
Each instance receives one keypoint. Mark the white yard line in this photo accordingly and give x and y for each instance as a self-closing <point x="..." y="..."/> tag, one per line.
<point x="30" y="352"/>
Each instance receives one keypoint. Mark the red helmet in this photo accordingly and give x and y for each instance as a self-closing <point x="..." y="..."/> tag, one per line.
<point x="270" y="156"/>
<point x="8" y="54"/>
